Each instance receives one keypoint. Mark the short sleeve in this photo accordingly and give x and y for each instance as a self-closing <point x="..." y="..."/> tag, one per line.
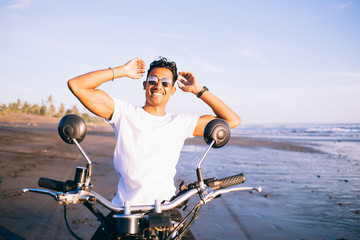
<point x="190" y="123"/>
<point x="120" y="107"/>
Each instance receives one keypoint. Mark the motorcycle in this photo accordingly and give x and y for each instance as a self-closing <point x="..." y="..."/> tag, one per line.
<point x="139" y="222"/>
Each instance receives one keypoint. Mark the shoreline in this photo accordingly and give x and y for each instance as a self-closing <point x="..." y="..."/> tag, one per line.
<point x="260" y="143"/>
<point x="42" y="123"/>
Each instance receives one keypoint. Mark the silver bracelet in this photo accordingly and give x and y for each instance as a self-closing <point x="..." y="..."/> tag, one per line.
<point x="113" y="73"/>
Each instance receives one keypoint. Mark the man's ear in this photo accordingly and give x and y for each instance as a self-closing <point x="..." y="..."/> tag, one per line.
<point x="173" y="90"/>
<point x="144" y="85"/>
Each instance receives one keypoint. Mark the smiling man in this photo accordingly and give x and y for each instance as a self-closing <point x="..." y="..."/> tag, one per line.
<point x="148" y="139"/>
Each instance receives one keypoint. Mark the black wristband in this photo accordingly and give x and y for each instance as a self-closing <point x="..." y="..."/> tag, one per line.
<point x="204" y="89"/>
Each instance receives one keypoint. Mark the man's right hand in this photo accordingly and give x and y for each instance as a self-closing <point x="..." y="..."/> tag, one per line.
<point x="135" y="68"/>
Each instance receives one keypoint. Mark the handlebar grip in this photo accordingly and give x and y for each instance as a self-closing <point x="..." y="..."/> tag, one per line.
<point x="228" y="181"/>
<point x="57" y="185"/>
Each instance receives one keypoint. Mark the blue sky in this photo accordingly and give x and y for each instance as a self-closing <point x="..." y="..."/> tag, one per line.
<point x="271" y="61"/>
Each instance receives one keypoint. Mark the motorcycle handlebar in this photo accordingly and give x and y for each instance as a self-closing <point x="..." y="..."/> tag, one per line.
<point x="57" y="185"/>
<point x="84" y="196"/>
<point x="219" y="186"/>
<point x="143" y="208"/>
<point x="229" y="181"/>
<point x="176" y="202"/>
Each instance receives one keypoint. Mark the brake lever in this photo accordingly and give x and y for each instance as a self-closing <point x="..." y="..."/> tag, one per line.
<point x="63" y="198"/>
<point x="214" y="194"/>
<point x="41" y="191"/>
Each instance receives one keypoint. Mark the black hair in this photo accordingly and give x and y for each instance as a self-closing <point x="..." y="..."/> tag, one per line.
<point x="164" y="63"/>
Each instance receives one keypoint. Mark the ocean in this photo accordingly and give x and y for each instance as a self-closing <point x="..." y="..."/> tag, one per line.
<point x="305" y="195"/>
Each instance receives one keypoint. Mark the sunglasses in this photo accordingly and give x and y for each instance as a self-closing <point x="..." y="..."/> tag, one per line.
<point x="153" y="80"/>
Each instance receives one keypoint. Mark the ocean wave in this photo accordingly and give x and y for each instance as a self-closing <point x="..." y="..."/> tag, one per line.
<point x="333" y="131"/>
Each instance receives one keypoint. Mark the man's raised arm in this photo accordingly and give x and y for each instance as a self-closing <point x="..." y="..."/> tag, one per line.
<point x="221" y="110"/>
<point x="96" y="100"/>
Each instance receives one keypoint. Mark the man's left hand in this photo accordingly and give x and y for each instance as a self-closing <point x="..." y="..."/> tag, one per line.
<point x="189" y="83"/>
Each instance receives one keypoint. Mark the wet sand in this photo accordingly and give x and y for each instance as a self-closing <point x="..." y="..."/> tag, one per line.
<point x="304" y="197"/>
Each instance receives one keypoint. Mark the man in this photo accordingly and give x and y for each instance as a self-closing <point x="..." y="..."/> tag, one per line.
<point x="149" y="139"/>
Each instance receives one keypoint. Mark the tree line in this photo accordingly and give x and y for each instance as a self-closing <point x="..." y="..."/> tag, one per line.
<point x="47" y="108"/>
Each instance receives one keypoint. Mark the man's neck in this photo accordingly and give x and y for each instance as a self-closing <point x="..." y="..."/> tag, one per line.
<point x="155" y="110"/>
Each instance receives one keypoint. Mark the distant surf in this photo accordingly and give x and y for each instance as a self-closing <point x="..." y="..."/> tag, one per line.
<point x="314" y="131"/>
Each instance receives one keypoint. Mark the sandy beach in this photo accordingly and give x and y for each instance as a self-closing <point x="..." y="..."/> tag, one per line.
<point x="310" y="190"/>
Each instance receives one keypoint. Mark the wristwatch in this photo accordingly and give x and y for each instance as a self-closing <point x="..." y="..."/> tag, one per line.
<point x="204" y="89"/>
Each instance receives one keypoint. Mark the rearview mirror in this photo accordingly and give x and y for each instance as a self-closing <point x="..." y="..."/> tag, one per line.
<point x="218" y="131"/>
<point x="72" y="127"/>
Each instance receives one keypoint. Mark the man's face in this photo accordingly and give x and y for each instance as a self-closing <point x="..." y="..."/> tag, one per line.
<point x="158" y="95"/>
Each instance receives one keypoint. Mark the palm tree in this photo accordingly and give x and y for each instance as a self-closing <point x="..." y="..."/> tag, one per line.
<point x="51" y="106"/>
<point x="26" y="108"/>
<point x="35" y="109"/>
<point x="61" y="110"/>
<point x="74" y="110"/>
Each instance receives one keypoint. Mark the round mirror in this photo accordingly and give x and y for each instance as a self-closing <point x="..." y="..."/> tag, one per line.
<point x="217" y="130"/>
<point x="72" y="127"/>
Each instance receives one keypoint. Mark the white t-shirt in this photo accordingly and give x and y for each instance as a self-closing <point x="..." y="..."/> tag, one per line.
<point x="147" y="151"/>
